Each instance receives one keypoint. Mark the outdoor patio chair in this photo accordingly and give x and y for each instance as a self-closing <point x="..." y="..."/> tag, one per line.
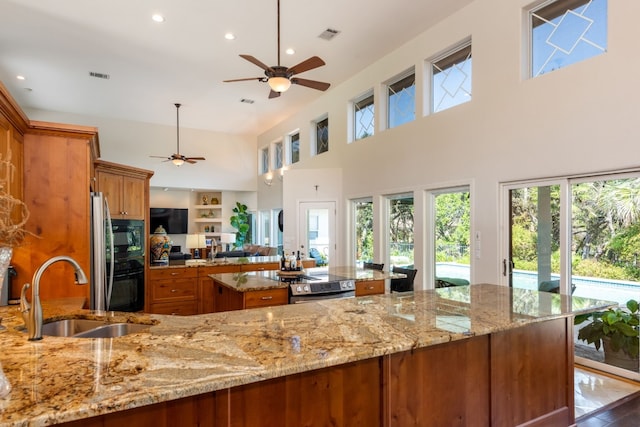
<point x="406" y="284"/>
<point x="372" y="266"/>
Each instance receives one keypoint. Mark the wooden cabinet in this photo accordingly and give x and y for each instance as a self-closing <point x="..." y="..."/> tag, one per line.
<point x="57" y="173"/>
<point x="369" y="287"/>
<point x="227" y="299"/>
<point x="125" y="188"/>
<point x="206" y="285"/>
<point x="173" y="291"/>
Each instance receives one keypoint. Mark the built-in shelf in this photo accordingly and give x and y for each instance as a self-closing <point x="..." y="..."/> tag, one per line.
<point x="208" y="218"/>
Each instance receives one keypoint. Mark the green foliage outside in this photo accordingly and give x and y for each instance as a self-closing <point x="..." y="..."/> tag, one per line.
<point x="606" y="231"/>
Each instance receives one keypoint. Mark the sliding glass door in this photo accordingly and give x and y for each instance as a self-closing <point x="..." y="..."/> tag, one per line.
<point x="578" y="236"/>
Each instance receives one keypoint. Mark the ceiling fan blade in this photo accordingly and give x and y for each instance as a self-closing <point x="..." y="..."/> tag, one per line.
<point x="313" y="84"/>
<point x="306" y="65"/>
<point x="242" y="80"/>
<point x="194" y="158"/>
<point x="256" y="62"/>
<point x="190" y="161"/>
<point x="161" y="157"/>
<point x="273" y="94"/>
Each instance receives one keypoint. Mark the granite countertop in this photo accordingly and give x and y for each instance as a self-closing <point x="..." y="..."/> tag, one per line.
<point x="62" y="379"/>
<point x="264" y="280"/>
<point x="219" y="261"/>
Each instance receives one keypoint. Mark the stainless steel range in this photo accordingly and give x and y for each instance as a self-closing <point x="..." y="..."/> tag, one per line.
<point x="308" y="288"/>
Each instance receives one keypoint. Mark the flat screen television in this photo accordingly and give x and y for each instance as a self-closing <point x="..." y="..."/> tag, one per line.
<point x="173" y="220"/>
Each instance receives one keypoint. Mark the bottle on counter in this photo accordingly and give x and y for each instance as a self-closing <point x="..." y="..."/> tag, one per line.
<point x="283" y="261"/>
<point x="292" y="261"/>
<point x="287" y="262"/>
<point x="298" y="262"/>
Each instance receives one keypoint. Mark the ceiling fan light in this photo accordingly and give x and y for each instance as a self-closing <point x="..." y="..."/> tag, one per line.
<point x="177" y="162"/>
<point x="279" y="84"/>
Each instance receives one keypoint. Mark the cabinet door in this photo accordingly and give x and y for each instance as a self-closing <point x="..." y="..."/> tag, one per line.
<point x="111" y="186"/>
<point x="227" y="299"/>
<point x="133" y="198"/>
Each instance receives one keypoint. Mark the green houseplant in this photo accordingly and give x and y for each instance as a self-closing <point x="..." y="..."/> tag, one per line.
<point x="240" y="221"/>
<point x="616" y="330"/>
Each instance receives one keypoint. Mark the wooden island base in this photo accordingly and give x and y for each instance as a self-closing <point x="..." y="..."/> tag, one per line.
<point x="522" y="376"/>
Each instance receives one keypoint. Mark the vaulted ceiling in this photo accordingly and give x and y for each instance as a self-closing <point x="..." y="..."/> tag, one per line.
<point x="56" y="44"/>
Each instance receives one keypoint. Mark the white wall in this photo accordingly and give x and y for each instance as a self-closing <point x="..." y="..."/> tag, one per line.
<point x="231" y="159"/>
<point x="575" y="120"/>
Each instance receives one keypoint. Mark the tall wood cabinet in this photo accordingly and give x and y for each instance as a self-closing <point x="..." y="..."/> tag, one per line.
<point x="57" y="182"/>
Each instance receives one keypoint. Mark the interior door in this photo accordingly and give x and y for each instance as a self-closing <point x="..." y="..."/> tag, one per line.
<point x="317" y="234"/>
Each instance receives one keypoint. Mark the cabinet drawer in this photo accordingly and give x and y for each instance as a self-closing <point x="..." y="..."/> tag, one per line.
<point x="260" y="267"/>
<point x="267" y="298"/>
<point x="369" y="287"/>
<point x="174" y="289"/>
<point x="180" y="308"/>
<point x="172" y="273"/>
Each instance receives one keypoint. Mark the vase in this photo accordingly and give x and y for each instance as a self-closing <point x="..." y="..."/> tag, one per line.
<point x="160" y="246"/>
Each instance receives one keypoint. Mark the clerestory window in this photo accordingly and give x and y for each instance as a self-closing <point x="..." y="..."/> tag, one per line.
<point x="564" y="32"/>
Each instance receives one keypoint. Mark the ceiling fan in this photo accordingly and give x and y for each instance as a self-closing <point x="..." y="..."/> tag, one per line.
<point x="177" y="158"/>
<point x="281" y="78"/>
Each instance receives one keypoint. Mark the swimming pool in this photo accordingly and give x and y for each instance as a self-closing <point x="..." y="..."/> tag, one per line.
<point x="589" y="287"/>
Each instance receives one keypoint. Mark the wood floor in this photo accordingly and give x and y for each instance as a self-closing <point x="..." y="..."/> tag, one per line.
<point x="623" y="413"/>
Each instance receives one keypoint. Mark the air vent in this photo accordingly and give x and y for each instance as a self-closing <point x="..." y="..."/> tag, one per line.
<point x="247" y="101"/>
<point x="329" y="34"/>
<point x="99" y="75"/>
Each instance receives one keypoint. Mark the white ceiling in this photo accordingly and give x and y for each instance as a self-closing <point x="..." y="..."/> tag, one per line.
<point x="56" y="43"/>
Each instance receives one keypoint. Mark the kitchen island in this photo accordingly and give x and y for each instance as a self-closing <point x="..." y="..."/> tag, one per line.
<point x="469" y="355"/>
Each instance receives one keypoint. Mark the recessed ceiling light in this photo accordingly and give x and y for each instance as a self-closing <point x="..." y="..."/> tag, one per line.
<point x="157" y="17"/>
<point x="290" y="51"/>
<point x="229" y="36"/>
<point x="20" y="77"/>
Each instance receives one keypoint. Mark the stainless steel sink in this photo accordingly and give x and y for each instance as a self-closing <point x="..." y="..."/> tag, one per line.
<point x="85" y="328"/>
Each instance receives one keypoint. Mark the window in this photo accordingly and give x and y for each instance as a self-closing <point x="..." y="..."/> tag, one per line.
<point x="400" y="228"/>
<point x="294" y="148"/>
<point x="363" y="117"/>
<point x="363" y="230"/>
<point x="277" y="155"/>
<point x="322" y="135"/>
<point x="401" y="95"/>
<point x="451" y="79"/>
<point x="452" y="235"/>
<point x="564" y="32"/>
<point x="264" y="160"/>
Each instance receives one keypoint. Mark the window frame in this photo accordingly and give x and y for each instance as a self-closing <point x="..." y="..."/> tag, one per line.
<point x="354" y="109"/>
<point x="291" y="140"/>
<point x="315" y="132"/>
<point x="451" y="57"/>
<point x="411" y="72"/>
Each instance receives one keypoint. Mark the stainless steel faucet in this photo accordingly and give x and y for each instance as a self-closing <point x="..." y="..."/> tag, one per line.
<point x="32" y="314"/>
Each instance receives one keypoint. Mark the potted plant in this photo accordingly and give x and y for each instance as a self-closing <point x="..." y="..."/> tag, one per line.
<point x="240" y="221"/>
<point x="616" y="330"/>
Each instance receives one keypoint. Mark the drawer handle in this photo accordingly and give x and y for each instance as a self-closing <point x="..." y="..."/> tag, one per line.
<point x="174" y="290"/>
<point x="369" y="288"/>
<point x="266" y="298"/>
<point x="174" y="313"/>
<point x="261" y="269"/>
<point x="174" y="274"/>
